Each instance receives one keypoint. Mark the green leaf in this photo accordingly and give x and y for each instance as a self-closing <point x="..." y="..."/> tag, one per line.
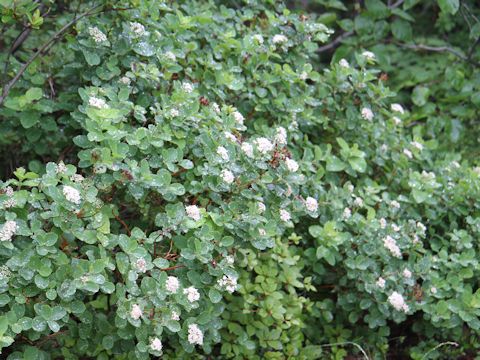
<point x="214" y="296"/>
<point x="449" y="6"/>
<point x="402" y="30"/>
<point x="420" y="95"/>
<point x="33" y="94"/>
<point x="29" y="119"/>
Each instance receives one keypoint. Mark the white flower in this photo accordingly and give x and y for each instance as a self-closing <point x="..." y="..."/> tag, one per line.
<point x="392" y="246"/>
<point x="415" y="239"/>
<point x="97" y="103"/>
<point x="311" y="204"/>
<point x="156" y="344"/>
<point x="261" y="207"/>
<point x="193" y="212"/>
<point x="263" y="145"/>
<point x="384" y="148"/>
<point x="172" y="284"/>
<point x="455" y="164"/>
<point x="228" y="282"/>
<point x="395" y="227"/>
<point x="175" y="316"/>
<point x="258" y="38"/>
<point x="383" y="223"/>
<point x="292" y="165"/>
<point x="285" y="215"/>
<point x="262" y="232"/>
<point x="125" y="80"/>
<point x="247" y="148"/>
<point x="238" y="117"/>
<point x="229" y="136"/>
<point x="61" y="168"/>
<point x="395" y="204"/>
<point x="77" y="178"/>
<point x="97" y="35"/>
<point x="195" y="335"/>
<point x="8" y="230"/>
<point x="344" y="63"/>
<point x="396" y="120"/>
<point x="174" y="112"/>
<point x="136" y="312"/>
<point x="417" y="145"/>
<point x="170" y="56"/>
<point x="227" y="176"/>
<point x="381" y="282"/>
<point x="222" y="152"/>
<point x="229" y="259"/>
<point x="137" y="28"/>
<point x="9" y="203"/>
<point x="350" y="188"/>
<point x="192" y="294"/>
<point x="279" y="39"/>
<point x="369" y="55"/>
<point x="433" y="290"/>
<point x="408" y="153"/>
<point x="358" y="202"/>
<point x="5" y="272"/>
<point x="303" y="75"/>
<point x="347" y="213"/>
<point x="422" y="228"/>
<point x="407" y="273"/>
<point x="367" y="114"/>
<point x="397" y="108"/>
<point x="72" y="194"/>
<point x="281" y="136"/>
<point x="9" y="191"/>
<point x="216" y="108"/>
<point x="141" y="265"/>
<point x="397" y="301"/>
<point x="187" y="87"/>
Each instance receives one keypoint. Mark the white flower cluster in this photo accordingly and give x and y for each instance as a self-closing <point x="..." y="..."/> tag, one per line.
<point x="141" y="265"/>
<point x="97" y="103"/>
<point x="170" y="56"/>
<point x="263" y="145"/>
<point x="8" y="230"/>
<point x="125" y="80"/>
<point x="238" y="117"/>
<point x="10" y="202"/>
<point x="228" y="282"/>
<point x="397" y="108"/>
<point x="230" y="136"/>
<point x="172" y="284"/>
<point x="407" y="274"/>
<point x="137" y="28"/>
<point x="222" y="152"/>
<point x="5" y="272"/>
<point x="285" y="215"/>
<point x="247" y="148"/>
<point x="392" y="246"/>
<point x="417" y="145"/>
<point x="193" y="212"/>
<point x="72" y="194"/>
<point x="227" y="176"/>
<point x="156" y="344"/>
<point x="397" y="301"/>
<point x="381" y="283"/>
<point x="261" y="207"/>
<point x="396" y="120"/>
<point x="97" y="35"/>
<point x="77" y="178"/>
<point x="394" y="204"/>
<point x="195" y="335"/>
<point x="187" y="87"/>
<point x="281" y="136"/>
<point x="347" y="213"/>
<point x="292" y="165"/>
<point x="258" y="38"/>
<point x="408" y="153"/>
<point x="216" y="108"/>
<point x="367" y="114"/>
<point x="368" y="55"/>
<point x="383" y="223"/>
<point x="175" y="316"/>
<point x="395" y="227"/>
<point x="344" y="63"/>
<point x="311" y="204"/>
<point x="279" y="39"/>
<point x="358" y="202"/>
<point x="229" y="260"/>
<point x="422" y="228"/>
<point x="136" y="312"/>
<point x="262" y="232"/>
<point x="192" y="294"/>
<point x="61" y="168"/>
<point x="174" y="112"/>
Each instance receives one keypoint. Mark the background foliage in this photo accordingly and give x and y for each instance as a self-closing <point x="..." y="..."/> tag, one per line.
<point x="306" y="171"/>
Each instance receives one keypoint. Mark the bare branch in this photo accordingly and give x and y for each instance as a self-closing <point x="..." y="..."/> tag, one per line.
<point x="419" y="47"/>
<point x="55" y="38"/>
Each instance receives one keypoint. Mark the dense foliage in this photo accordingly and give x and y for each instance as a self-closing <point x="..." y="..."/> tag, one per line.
<point x="213" y="179"/>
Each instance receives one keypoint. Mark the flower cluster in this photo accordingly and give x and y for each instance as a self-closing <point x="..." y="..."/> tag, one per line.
<point x="97" y="35"/>
<point x="195" y="335"/>
<point x="72" y="194"/>
<point x="8" y="230"/>
<point x="398" y="302"/>
<point x="391" y="244"/>
<point x="228" y="282"/>
<point x="192" y="294"/>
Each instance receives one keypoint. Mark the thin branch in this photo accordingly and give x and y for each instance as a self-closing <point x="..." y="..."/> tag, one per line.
<point x="449" y="49"/>
<point x="347" y="34"/>
<point x="55" y="38"/>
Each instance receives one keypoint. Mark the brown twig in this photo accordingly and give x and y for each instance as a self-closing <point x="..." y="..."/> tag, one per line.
<point x="56" y="37"/>
<point x="123" y="224"/>
<point x="173" y="267"/>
